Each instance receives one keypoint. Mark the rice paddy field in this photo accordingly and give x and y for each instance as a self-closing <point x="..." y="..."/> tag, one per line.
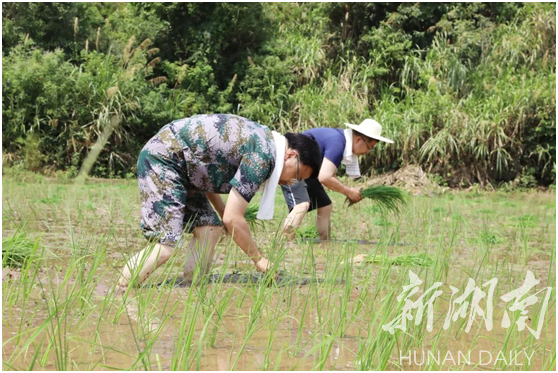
<point x="431" y="288"/>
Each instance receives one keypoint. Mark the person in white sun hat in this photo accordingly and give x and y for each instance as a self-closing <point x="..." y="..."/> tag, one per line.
<point x="338" y="147"/>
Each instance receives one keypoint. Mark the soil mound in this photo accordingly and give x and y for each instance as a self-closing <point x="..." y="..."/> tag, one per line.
<point x="410" y="178"/>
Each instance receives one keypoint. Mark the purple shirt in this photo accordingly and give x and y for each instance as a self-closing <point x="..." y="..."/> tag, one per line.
<point x="332" y="142"/>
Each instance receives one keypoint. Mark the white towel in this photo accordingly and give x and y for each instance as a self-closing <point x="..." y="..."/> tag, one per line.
<point x="267" y="202"/>
<point x="349" y="159"/>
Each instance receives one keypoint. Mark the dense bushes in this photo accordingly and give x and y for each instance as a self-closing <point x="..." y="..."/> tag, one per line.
<point x="467" y="90"/>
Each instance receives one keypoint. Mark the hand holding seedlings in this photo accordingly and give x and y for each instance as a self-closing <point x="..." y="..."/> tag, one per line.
<point x="354" y="195"/>
<point x="388" y="198"/>
<point x="337" y="147"/>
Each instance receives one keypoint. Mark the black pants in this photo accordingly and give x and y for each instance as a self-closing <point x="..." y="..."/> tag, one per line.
<point x="309" y="190"/>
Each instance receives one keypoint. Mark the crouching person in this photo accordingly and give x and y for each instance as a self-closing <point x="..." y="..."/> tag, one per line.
<point x="185" y="167"/>
<point x="337" y="146"/>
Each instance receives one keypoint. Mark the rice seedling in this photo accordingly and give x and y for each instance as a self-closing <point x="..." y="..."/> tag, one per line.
<point x="387" y="198"/>
<point x="251" y="215"/>
<point x="405" y="260"/>
<point x="17" y="249"/>
<point x="307" y="232"/>
<point x="66" y="315"/>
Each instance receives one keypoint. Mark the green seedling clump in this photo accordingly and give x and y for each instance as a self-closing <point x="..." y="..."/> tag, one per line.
<point x="388" y="198"/>
<point x="308" y="232"/>
<point x="406" y="260"/>
<point x="416" y="260"/>
<point x="16" y="250"/>
<point x="251" y="212"/>
<point x="251" y="215"/>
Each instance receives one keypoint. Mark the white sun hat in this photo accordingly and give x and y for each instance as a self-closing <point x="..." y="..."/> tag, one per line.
<point x="370" y="128"/>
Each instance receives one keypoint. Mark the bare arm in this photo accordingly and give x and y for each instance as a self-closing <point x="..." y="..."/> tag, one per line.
<point x="217" y="203"/>
<point x="327" y="178"/>
<point x="236" y="224"/>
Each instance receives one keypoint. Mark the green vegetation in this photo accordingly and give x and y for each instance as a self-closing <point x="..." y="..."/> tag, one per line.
<point x="386" y="198"/>
<point x="306" y="232"/>
<point x="467" y="90"/>
<point x="251" y="214"/>
<point x="17" y="249"/>
<point x="60" y="311"/>
<point x="414" y="260"/>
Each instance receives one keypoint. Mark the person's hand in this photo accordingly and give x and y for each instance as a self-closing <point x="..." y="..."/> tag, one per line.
<point x="354" y="195"/>
<point x="263" y="265"/>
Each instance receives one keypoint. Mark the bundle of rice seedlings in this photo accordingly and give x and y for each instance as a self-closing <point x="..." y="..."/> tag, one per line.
<point x="405" y="260"/>
<point x="411" y="260"/>
<point x="307" y="232"/>
<point x="251" y="214"/>
<point x="16" y="250"/>
<point x="388" y="198"/>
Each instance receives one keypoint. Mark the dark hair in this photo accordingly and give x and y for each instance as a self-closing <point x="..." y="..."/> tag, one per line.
<point x="308" y="150"/>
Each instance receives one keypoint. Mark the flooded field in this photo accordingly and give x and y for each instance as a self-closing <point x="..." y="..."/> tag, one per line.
<point x="331" y="308"/>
